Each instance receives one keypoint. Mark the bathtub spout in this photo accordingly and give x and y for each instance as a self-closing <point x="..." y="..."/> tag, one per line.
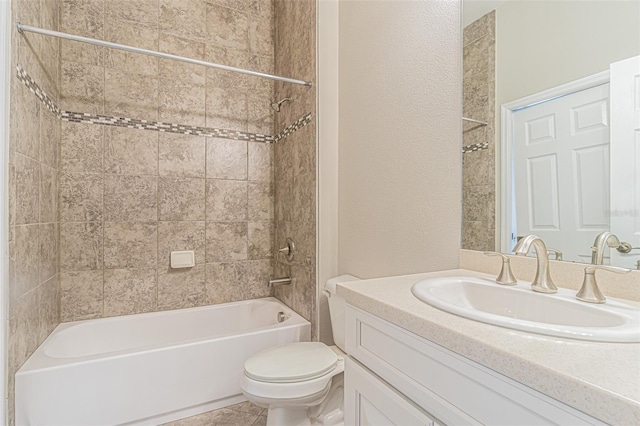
<point x="279" y="281"/>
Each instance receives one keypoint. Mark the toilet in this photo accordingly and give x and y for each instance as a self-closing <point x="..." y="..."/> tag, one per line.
<point x="302" y="383"/>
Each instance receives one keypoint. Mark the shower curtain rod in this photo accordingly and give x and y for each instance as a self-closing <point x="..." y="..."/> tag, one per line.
<point x="22" y="28"/>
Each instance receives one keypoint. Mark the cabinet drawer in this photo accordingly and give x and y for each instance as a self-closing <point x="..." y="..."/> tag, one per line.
<point x="372" y="402"/>
<point x="453" y="388"/>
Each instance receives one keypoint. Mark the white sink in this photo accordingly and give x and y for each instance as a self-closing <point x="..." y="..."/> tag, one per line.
<point x="520" y="308"/>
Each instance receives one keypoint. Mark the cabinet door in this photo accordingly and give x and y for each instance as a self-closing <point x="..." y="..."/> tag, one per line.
<point x="371" y="402"/>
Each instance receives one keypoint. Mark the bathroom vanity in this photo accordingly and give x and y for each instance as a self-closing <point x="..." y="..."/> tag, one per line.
<point x="411" y="363"/>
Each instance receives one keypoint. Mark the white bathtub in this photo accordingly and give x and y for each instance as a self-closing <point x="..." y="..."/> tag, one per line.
<point x="149" y="368"/>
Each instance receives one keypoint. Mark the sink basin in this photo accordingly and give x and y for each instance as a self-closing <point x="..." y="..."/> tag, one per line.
<point x="520" y="308"/>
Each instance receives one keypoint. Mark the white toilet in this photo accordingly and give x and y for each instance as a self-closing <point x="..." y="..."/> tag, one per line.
<point x="302" y="383"/>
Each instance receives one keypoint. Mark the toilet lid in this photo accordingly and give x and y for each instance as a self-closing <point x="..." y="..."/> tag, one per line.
<point x="294" y="362"/>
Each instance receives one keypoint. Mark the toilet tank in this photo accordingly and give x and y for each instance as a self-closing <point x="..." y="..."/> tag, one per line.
<point x="337" y="307"/>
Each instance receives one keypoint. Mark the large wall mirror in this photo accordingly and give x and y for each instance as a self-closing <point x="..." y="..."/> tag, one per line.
<point x="551" y="127"/>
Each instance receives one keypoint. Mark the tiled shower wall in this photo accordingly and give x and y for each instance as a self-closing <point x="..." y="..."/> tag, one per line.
<point x="33" y="186"/>
<point x="129" y="197"/>
<point x="478" y="167"/>
<point x="295" y="156"/>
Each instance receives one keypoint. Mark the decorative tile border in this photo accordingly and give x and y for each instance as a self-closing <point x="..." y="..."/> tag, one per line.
<point x="132" y="123"/>
<point x="35" y="89"/>
<point x="475" y="147"/>
<point x="297" y="125"/>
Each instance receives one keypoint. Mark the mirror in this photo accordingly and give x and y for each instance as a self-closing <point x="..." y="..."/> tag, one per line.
<point x="548" y="147"/>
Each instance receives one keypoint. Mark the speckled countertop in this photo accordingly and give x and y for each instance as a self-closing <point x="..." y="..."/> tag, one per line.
<point x="600" y="379"/>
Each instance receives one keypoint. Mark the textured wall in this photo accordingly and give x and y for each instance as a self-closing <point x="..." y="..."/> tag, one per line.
<point x="128" y="197"/>
<point x="478" y="167"/>
<point x="295" y="156"/>
<point x="400" y="137"/>
<point x="33" y="190"/>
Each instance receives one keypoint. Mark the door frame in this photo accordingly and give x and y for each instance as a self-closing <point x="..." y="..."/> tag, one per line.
<point x="5" y="84"/>
<point x="506" y="137"/>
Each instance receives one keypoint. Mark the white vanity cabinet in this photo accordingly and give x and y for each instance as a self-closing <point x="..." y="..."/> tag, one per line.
<point x="396" y="377"/>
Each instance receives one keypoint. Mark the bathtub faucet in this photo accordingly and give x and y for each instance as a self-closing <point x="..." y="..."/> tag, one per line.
<point x="279" y="281"/>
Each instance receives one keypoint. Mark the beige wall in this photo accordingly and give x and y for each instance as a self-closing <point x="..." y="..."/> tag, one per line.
<point x="128" y="197"/>
<point x="295" y="156"/>
<point x="400" y="137"/>
<point x="543" y="44"/>
<point x="34" y="286"/>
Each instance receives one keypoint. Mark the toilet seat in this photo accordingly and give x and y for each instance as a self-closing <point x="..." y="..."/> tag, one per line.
<point x="295" y="371"/>
<point x="291" y="363"/>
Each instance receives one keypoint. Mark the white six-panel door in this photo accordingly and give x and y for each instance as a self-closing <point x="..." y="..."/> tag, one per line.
<point x="625" y="158"/>
<point x="561" y="171"/>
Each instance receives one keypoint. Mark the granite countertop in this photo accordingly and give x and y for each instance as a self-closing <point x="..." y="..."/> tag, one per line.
<point x="600" y="379"/>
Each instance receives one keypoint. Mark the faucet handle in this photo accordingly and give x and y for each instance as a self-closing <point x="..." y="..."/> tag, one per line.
<point x="556" y="253"/>
<point x="506" y="276"/>
<point x="589" y="292"/>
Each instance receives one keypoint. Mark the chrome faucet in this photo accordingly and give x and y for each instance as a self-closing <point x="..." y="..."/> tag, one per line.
<point x="542" y="283"/>
<point x="603" y="239"/>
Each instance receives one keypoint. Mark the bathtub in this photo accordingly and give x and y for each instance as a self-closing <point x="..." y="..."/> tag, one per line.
<point x="152" y="368"/>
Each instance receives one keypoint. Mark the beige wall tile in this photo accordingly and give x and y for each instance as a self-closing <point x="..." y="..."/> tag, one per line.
<point x="23" y="330"/>
<point x="49" y="139"/>
<point x="81" y="295"/>
<point x="82" y="53"/>
<point x="260" y="114"/>
<point x="304" y="235"/>
<point x="260" y="161"/>
<point x="258" y="274"/>
<point x="260" y="240"/>
<point x="81" y="246"/>
<point x="26" y="256"/>
<point x="48" y="251"/>
<point x="181" y="288"/>
<point x="174" y="70"/>
<point x="182" y="155"/>
<point x="130" y="151"/>
<point x="81" y="197"/>
<point x="83" y="17"/>
<point x="136" y="34"/>
<point x="225" y="282"/>
<point x="27" y="111"/>
<point x="27" y="190"/>
<point x="181" y="103"/>
<point x="226" y="200"/>
<point x="227" y="27"/>
<point x="49" y="306"/>
<point x="260" y="204"/>
<point x="235" y="58"/>
<point x="304" y="197"/>
<point x="48" y="194"/>
<point x="227" y="104"/>
<point x="82" y="87"/>
<point x="81" y="147"/>
<point x="261" y="35"/>
<point x="130" y="245"/>
<point x="181" y="199"/>
<point x="179" y="236"/>
<point x="304" y="153"/>
<point x="185" y="18"/>
<point x="135" y="11"/>
<point x="12" y="200"/>
<point x="226" y="159"/>
<point x="226" y="241"/>
<point x="132" y="198"/>
<point x="131" y="95"/>
<point x="129" y="291"/>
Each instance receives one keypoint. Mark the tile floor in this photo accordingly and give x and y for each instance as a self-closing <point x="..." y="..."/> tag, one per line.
<point x="243" y="414"/>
